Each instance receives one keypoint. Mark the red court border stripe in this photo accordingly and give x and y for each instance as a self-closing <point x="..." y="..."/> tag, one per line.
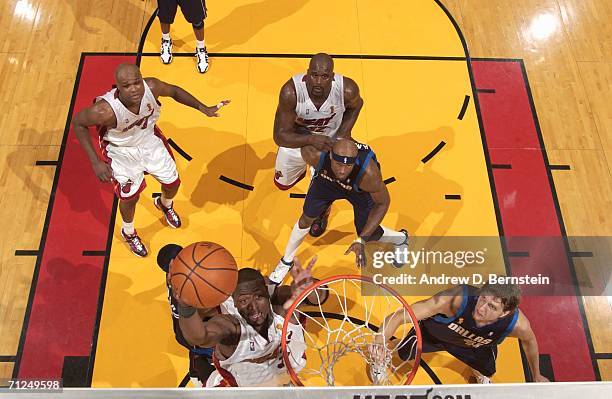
<point x="66" y="289"/>
<point x="514" y="137"/>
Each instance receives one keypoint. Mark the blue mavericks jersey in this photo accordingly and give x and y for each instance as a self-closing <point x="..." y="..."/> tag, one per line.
<point x="461" y="330"/>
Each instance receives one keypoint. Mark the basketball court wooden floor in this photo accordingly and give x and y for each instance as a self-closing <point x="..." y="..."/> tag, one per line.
<point x="460" y="147"/>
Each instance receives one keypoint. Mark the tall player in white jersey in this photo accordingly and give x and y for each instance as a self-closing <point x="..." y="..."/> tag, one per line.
<point x="313" y="109"/>
<point x="247" y="337"/>
<point x="132" y="144"/>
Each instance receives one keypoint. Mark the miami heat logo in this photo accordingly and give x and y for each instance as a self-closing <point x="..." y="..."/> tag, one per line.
<point x="127" y="186"/>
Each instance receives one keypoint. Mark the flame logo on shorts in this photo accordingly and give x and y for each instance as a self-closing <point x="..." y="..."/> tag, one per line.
<point x="127" y="186"/>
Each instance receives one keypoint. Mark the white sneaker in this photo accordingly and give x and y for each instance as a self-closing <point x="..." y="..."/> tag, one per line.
<point x="202" y="60"/>
<point x="278" y="275"/>
<point x="403" y="250"/>
<point x="165" y="53"/>
<point x="481" y="379"/>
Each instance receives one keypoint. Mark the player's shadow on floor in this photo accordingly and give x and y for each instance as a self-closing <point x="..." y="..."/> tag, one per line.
<point x="245" y="21"/>
<point x="138" y="348"/>
<point x="72" y="191"/>
<point x="129" y="10"/>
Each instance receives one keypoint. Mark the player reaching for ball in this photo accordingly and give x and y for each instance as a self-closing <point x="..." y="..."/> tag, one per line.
<point x="196" y="335"/>
<point x="247" y="339"/>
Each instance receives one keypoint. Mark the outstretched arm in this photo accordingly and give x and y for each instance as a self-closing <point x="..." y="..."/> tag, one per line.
<point x="444" y="302"/>
<point x="163" y="89"/>
<point x="99" y="114"/>
<point x="206" y="334"/>
<point x="284" y="124"/>
<point x="353" y="104"/>
<point x="522" y="330"/>
<point x="285" y="295"/>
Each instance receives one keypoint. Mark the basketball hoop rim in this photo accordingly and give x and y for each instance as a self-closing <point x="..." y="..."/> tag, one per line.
<point x="314" y="286"/>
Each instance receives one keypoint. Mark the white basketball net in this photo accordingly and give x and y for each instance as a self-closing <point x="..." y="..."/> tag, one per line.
<point x="344" y="338"/>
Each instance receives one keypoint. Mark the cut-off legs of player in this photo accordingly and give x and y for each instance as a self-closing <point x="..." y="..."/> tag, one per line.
<point x="469" y="323"/>
<point x="313" y="109"/>
<point x="247" y="337"/>
<point x="349" y="171"/>
<point x="194" y="12"/>
<point x="132" y="144"/>
<point x="200" y="358"/>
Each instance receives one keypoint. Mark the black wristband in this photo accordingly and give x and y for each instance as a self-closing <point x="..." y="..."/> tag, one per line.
<point x="186" y="311"/>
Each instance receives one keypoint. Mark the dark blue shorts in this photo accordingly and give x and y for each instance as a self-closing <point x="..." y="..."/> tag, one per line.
<point x="322" y="193"/>
<point x="481" y="359"/>
<point x="193" y="10"/>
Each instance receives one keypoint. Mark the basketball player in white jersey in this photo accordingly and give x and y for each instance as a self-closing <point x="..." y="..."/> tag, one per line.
<point x="132" y="144"/>
<point x="313" y="109"/>
<point x="247" y="337"/>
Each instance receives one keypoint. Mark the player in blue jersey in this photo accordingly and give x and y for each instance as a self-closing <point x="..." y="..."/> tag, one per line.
<point x="350" y="171"/>
<point x="469" y="323"/>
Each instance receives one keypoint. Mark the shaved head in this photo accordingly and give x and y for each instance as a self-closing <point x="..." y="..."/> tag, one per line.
<point x="345" y="148"/>
<point x="130" y="85"/>
<point x="126" y="71"/>
<point x="320" y="76"/>
<point x="321" y="61"/>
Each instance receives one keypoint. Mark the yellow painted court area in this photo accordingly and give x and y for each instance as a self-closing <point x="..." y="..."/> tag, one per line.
<point x="410" y="107"/>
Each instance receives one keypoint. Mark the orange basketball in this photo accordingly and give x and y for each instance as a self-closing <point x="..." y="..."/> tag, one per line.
<point x="203" y="274"/>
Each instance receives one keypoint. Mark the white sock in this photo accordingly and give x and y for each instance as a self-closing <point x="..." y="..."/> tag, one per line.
<point x="295" y="239"/>
<point x="128" y="228"/>
<point x="392" y="236"/>
<point x="165" y="201"/>
<point x="196" y="382"/>
<point x="200" y="44"/>
<point x="166" y="36"/>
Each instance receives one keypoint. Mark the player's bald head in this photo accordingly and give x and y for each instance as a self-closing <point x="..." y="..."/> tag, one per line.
<point x="127" y="71"/>
<point x="322" y="62"/>
<point x="345" y="148"/>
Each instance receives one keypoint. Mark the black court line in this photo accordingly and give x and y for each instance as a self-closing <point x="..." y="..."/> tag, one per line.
<point x="43" y="240"/>
<point x="143" y="37"/>
<point x="179" y="150"/>
<point x="518" y="254"/>
<point x="74" y="371"/>
<point x="605" y="356"/>
<point x="46" y="163"/>
<point x="501" y="166"/>
<point x="7" y="359"/>
<point x="308" y="56"/>
<point x="236" y="183"/>
<point x="184" y="381"/>
<point x="492" y="91"/>
<point x="430" y="372"/>
<point x="27" y="252"/>
<point x="433" y="152"/>
<point x="466" y="101"/>
<point x="579" y="254"/>
<point x="452" y="197"/>
<point x="559" y="167"/>
<point x="553" y="190"/>
<point x="94" y="253"/>
<point x="389" y="180"/>
<point x="296" y="195"/>
<point x="494" y="59"/>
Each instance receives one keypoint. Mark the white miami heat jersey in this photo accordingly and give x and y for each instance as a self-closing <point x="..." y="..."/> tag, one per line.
<point x="131" y="128"/>
<point x="258" y="361"/>
<point x="325" y="120"/>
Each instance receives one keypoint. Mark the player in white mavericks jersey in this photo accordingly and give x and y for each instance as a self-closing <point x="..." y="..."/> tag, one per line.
<point x="247" y="336"/>
<point x="313" y="109"/>
<point x="132" y="144"/>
